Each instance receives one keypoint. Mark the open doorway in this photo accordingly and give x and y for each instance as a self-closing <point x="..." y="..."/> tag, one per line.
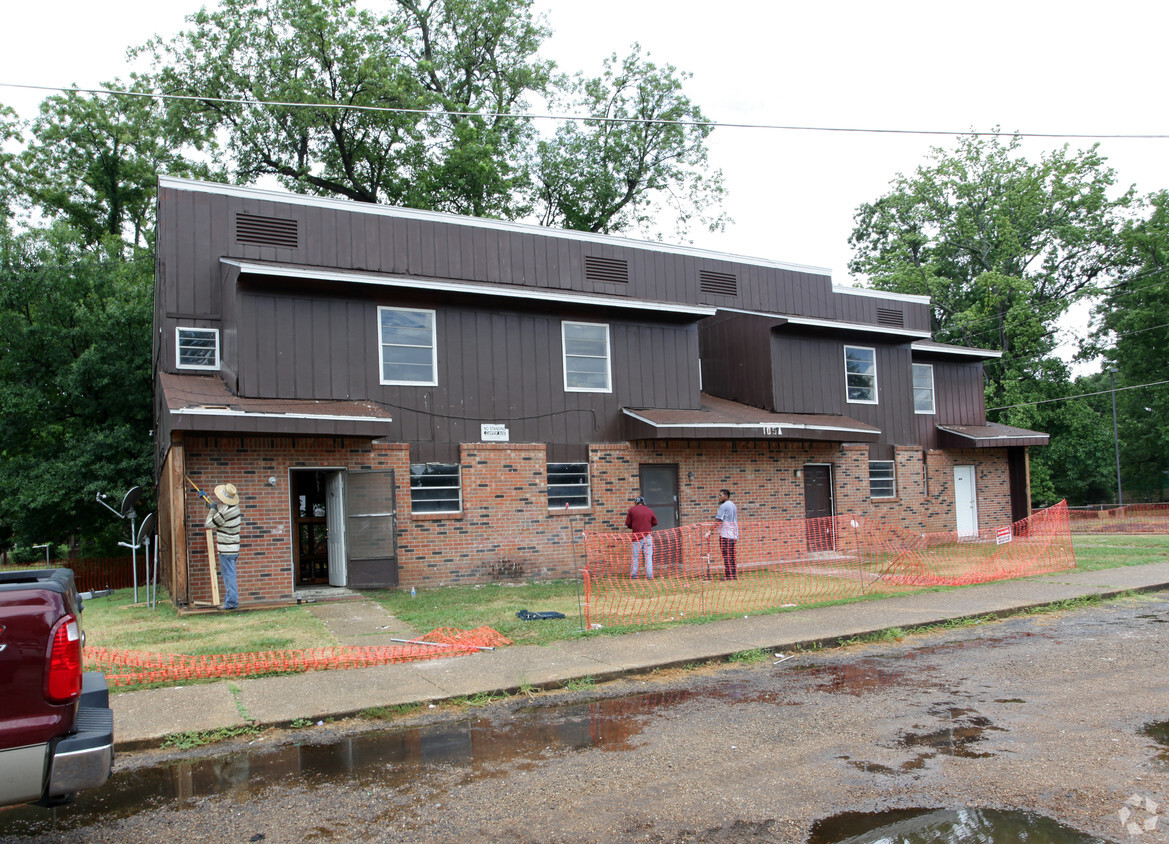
<point x="318" y="527"/>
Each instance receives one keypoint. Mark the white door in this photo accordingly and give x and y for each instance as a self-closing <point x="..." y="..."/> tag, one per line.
<point x="965" y="501"/>
<point x="335" y="525"/>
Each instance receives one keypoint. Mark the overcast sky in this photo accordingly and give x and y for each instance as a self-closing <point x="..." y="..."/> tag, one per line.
<point x="1042" y="67"/>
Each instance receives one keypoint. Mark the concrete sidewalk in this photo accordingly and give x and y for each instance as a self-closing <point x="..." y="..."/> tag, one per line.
<point x="144" y="718"/>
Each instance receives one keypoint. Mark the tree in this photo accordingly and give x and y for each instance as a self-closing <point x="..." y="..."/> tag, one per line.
<point x="1133" y="337"/>
<point x="644" y="139"/>
<point x="75" y="382"/>
<point x="92" y="162"/>
<point x="426" y="106"/>
<point x="1001" y="245"/>
<point x="453" y="71"/>
<point x="9" y="131"/>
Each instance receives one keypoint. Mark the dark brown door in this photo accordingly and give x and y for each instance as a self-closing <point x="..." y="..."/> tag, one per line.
<point x="659" y="487"/>
<point x="819" y="507"/>
<point x="371" y="529"/>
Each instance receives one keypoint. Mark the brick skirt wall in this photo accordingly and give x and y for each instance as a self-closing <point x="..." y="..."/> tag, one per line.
<point x="506" y="529"/>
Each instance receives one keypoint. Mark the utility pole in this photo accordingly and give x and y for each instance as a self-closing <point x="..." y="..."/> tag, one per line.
<point x="1116" y="437"/>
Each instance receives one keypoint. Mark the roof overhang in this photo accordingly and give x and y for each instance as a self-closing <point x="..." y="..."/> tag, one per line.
<point x="722" y="419"/>
<point x="202" y="403"/>
<point x="931" y="348"/>
<point x="835" y="326"/>
<point x="506" y="291"/>
<point x="990" y="435"/>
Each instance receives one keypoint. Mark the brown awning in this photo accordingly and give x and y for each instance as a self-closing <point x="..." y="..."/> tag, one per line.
<point x="204" y="403"/>
<point x="990" y="435"/>
<point x="723" y="419"/>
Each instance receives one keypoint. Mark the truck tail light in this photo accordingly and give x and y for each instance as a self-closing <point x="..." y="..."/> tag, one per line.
<point x="63" y="677"/>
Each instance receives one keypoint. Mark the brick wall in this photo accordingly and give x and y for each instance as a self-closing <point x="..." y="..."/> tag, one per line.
<point x="506" y="530"/>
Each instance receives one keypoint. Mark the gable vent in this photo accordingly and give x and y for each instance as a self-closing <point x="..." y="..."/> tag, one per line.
<point x="606" y="269"/>
<point x="889" y="316"/>
<point x="723" y="284"/>
<point x="265" y="231"/>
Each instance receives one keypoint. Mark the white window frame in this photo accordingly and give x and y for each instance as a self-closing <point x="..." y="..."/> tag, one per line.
<point x="458" y="488"/>
<point x="213" y="332"/>
<point x="892" y="479"/>
<point x="588" y="486"/>
<point x="913" y="386"/>
<point x="847" y="374"/>
<point x="568" y="388"/>
<point x="381" y="346"/>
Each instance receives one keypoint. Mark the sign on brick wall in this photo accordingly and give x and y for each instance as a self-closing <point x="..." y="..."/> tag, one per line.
<point x="490" y="433"/>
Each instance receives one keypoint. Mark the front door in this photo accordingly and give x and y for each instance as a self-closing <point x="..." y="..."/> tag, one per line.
<point x="819" y="507"/>
<point x="965" y="501"/>
<point x="371" y="530"/>
<point x="659" y="488"/>
<point x="310" y="527"/>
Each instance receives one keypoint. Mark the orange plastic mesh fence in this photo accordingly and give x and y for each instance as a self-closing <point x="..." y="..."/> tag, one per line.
<point x="1128" y="518"/>
<point x="805" y="561"/>
<point x="127" y="668"/>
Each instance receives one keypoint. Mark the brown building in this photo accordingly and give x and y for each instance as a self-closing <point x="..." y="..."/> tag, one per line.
<point x="415" y="398"/>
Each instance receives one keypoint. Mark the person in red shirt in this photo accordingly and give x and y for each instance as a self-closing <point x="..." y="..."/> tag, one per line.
<point x="641" y="520"/>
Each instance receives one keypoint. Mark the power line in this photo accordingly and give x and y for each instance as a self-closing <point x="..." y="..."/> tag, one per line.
<point x="712" y="124"/>
<point x="1080" y="396"/>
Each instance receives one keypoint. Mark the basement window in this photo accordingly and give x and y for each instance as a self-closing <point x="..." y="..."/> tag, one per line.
<point x="197" y="348"/>
<point x="435" y="488"/>
<point x="568" y="485"/>
<point x="882" y="479"/>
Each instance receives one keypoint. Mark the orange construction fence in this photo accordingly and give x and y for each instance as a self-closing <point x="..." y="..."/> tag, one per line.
<point x="127" y="668"/>
<point x="1127" y="518"/>
<point x="792" y="562"/>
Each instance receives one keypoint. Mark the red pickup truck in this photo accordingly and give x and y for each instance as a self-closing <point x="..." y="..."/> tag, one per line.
<point x="56" y="726"/>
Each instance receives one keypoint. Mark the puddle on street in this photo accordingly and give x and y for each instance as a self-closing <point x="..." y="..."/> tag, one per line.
<point x="965" y="728"/>
<point x="1158" y="731"/>
<point x="391" y="757"/>
<point x="944" y="826"/>
<point x="856" y="678"/>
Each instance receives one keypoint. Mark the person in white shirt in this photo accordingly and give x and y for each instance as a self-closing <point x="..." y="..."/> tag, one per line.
<point x="728" y="532"/>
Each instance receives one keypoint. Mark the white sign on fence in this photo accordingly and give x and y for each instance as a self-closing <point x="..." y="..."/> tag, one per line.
<point x="1002" y="536"/>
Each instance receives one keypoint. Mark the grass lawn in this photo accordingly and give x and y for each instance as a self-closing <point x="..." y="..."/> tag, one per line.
<point x="116" y="622"/>
<point x="1095" y="552"/>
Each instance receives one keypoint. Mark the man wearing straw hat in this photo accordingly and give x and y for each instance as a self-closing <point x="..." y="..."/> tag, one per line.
<point x="225" y="519"/>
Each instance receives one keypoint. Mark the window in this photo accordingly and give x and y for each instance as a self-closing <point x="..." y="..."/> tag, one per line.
<point x="197" y="348"/>
<point x="923" y="388"/>
<point x="882" y="479"/>
<point x="586" y="357"/>
<point x="435" y="488"/>
<point x="568" y="485"/>
<point x="860" y="374"/>
<point x="409" y="351"/>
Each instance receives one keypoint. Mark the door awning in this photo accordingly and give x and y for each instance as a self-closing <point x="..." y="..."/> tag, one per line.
<point x="722" y="419"/>
<point x="990" y="435"/>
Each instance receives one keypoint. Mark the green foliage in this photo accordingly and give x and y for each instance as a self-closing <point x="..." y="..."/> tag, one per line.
<point x="74" y="383"/>
<point x="1002" y="246"/>
<point x="92" y="163"/>
<point x="645" y="140"/>
<point x="751" y="656"/>
<point x="1133" y="336"/>
<point x="192" y="739"/>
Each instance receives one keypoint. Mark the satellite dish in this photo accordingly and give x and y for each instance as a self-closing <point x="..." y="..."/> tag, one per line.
<point x="130" y="500"/>
<point x="146" y="529"/>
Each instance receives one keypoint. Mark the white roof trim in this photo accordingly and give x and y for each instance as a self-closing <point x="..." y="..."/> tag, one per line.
<point x="267" y="195"/>
<point x="849" y="290"/>
<point x="832" y="323"/>
<point x="1030" y="436"/>
<point x="510" y="291"/>
<point x="795" y="426"/>
<point x="960" y="351"/>
<point x="255" y="414"/>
